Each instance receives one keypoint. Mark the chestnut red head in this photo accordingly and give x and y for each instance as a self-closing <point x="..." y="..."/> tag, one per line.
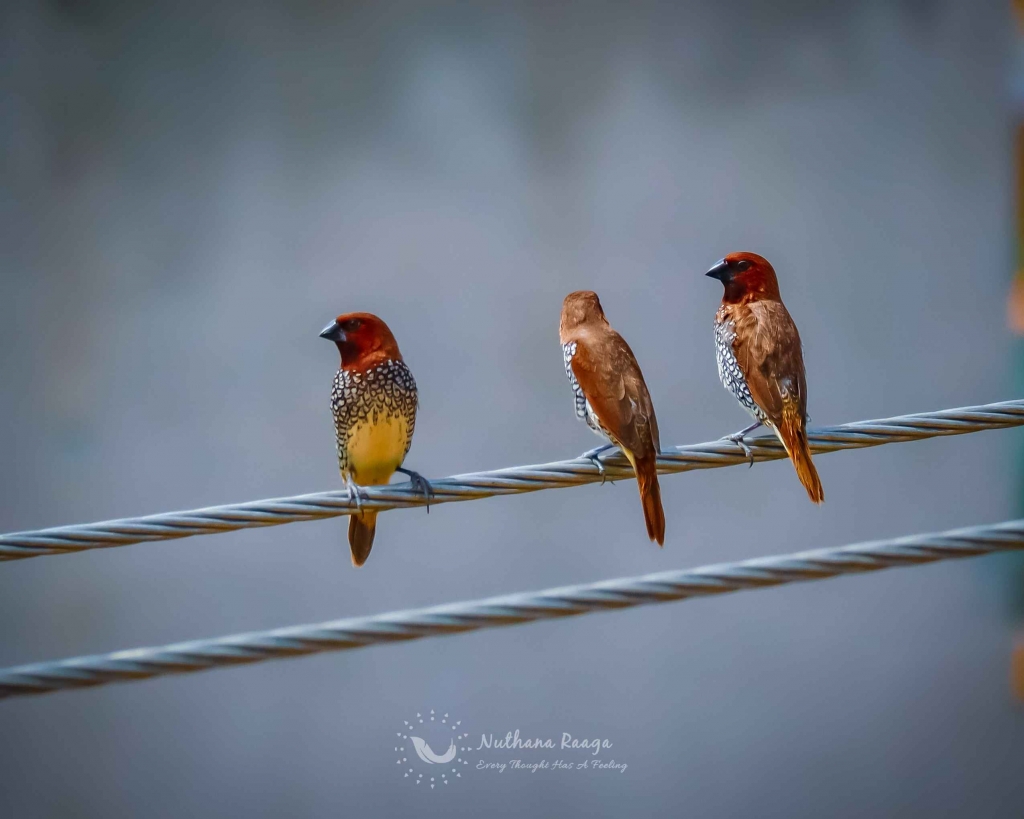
<point x="746" y="276"/>
<point x="361" y="338"/>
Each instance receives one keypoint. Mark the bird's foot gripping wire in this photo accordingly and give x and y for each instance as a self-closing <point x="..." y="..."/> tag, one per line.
<point x="592" y="456"/>
<point x="737" y="438"/>
<point x="355" y="493"/>
<point x="420" y="484"/>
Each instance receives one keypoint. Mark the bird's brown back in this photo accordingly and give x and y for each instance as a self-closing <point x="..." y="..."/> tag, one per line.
<point x="611" y="380"/>
<point x="768" y="350"/>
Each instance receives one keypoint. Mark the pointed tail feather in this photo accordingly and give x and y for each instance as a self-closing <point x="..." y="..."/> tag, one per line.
<point x="646" y="470"/>
<point x="794" y="437"/>
<point x="362" y="526"/>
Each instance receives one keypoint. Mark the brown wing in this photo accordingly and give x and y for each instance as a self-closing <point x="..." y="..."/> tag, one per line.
<point x="767" y="349"/>
<point x="608" y="374"/>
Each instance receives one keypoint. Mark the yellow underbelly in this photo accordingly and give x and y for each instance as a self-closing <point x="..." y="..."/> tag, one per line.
<point x="375" y="451"/>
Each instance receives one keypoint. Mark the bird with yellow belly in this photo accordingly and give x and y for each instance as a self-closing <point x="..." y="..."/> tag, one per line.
<point x="374" y="401"/>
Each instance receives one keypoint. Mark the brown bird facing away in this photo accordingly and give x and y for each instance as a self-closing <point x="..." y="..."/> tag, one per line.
<point x="374" y="402"/>
<point x="612" y="398"/>
<point x="760" y="360"/>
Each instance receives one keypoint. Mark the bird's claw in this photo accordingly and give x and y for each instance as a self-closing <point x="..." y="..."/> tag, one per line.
<point x="420" y="484"/>
<point x="737" y="438"/>
<point x="596" y="461"/>
<point x="356" y="493"/>
<point x="592" y="455"/>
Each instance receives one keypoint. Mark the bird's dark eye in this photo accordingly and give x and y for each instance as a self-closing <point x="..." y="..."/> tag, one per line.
<point x="742" y="265"/>
<point x="351" y="325"/>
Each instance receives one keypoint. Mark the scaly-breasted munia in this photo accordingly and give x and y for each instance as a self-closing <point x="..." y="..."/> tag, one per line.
<point x="760" y="360"/>
<point x="611" y="396"/>
<point x="374" y="401"/>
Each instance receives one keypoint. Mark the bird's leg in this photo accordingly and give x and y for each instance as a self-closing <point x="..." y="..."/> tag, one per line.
<point x="419" y="483"/>
<point x="355" y="493"/>
<point x="737" y="438"/>
<point x="592" y="456"/>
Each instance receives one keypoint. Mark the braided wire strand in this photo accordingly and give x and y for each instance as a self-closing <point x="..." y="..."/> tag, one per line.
<point x="453" y="618"/>
<point x="508" y="481"/>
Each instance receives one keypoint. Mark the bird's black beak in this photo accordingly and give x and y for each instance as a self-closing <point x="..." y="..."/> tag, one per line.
<point x="333" y="332"/>
<point x="719" y="270"/>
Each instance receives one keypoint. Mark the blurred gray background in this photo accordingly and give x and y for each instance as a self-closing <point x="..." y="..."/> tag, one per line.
<point x="189" y="193"/>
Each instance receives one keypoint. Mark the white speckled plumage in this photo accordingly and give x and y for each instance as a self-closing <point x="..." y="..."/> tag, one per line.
<point x="729" y="369"/>
<point x="374" y="419"/>
<point x="580" y="402"/>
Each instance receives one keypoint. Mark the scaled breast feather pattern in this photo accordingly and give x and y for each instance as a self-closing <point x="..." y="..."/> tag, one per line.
<point x="729" y="368"/>
<point x="388" y="389"/>
<point x="582" y="405"/>
<point x="579" y="399"/>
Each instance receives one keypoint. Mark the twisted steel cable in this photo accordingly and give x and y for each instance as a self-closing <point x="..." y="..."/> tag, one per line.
<point x="512" y="480"/>
<point x="356" y="632"/>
